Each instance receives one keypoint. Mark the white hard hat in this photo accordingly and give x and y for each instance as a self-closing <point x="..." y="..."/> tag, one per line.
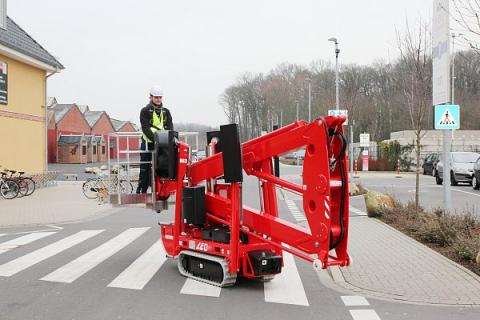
<point x="156" y="91"/>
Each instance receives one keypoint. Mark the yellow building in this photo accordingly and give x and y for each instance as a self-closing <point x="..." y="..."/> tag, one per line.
<point x="24" y="68"/>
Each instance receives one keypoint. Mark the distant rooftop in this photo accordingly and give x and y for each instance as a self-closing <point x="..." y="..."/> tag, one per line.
<point x="61" y="110"/>
<point x="83" y="108"/>
<point x="51" y="101"/>
<point x="71" y="139"/>
<point x="92" y="117"/>
<point x="118" y="124"/>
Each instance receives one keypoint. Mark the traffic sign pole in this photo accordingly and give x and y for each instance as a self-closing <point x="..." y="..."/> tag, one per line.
<point x="447" y="118"/>
<point x="447" y="193"/>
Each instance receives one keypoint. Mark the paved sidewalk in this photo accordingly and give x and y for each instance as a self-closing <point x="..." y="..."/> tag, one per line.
<point x="390" y="265"/>
<point x="62" y="203"/>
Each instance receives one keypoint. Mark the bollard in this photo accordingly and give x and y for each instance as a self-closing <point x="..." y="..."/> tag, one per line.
<point x="398" y="169"/>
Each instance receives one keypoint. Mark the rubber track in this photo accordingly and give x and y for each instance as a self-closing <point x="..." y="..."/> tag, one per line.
<point x="229" y="279"/>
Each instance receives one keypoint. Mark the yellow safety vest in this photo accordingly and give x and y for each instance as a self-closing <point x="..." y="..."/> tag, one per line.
<point x="157" y="122"/>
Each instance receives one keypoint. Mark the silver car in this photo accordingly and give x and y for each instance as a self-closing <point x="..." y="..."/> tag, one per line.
<point x="461" y="167"/>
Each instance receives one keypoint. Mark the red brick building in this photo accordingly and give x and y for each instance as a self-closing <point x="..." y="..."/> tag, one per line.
<point x="126" y="126"/>
<point x="73" y="119"/>
<point x="65" y="119"/>
<point x="100" y="124"/>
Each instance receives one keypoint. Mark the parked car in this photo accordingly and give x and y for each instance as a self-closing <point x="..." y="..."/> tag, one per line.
<point x="430" y="163"/>
<point x="199" y="155"/>
<point x="299" y="154"/>
<point x="461" y="167"/>
<point x="476" y="175"/>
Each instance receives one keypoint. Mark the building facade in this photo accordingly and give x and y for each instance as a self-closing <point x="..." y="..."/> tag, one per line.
<point x="68" y="119"/>
<point x="24" y="69"/>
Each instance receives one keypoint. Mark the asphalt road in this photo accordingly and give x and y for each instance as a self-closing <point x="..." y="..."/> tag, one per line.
<point x="464" y="198"/>
<point x="76" y="282"/>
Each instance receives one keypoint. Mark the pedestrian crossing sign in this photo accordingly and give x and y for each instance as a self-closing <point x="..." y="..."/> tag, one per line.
<point x="337" y="113"/>
<point x="447" y="117"/>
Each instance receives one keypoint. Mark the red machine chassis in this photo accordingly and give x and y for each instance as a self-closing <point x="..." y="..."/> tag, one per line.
<point x="324" y="191"/>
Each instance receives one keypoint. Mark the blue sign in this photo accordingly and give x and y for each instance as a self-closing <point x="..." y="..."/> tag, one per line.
<point x="337" y="113"/>
<point x="447" y="117"/>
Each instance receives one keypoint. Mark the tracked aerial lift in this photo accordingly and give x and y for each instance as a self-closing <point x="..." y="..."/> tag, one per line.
<point x="214" y="238"/>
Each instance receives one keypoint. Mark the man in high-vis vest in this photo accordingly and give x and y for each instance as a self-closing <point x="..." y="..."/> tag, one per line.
<point x="153" y="117"/>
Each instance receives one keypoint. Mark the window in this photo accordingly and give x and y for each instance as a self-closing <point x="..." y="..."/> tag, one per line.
<point x="94" y="149"/>
<point x="84" y="150"/>
<point x="103" y="149"/>
<point x="465" y="157"/>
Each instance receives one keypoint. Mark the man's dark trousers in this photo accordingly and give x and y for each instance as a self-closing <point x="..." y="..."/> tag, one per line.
<point x="144" y="179"/>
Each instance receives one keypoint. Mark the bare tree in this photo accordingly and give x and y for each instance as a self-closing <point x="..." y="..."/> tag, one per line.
<point x="414" y="77"/>
<point x="466" y="14"/>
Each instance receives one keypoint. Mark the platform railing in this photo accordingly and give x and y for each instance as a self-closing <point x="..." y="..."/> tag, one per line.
<point x="125" y="164"/>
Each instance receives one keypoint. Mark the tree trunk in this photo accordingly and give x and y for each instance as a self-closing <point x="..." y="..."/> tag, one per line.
<point x="417" y="171"/>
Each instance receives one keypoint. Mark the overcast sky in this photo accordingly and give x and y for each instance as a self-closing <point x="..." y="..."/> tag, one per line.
<point x="114" y="51"/>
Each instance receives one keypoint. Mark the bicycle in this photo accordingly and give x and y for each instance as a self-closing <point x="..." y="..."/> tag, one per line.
<point x="100" y="186"/>
<point x="9" y="188"/>
<point x="27" y="184"/>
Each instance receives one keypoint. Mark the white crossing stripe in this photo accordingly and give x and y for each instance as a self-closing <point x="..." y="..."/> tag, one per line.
<point x="297" y="214"/>
<point x="367" y="314"/>
<point x="137" y="275"/>
<point x="10" y="268"/>
<point x="2" y="234"/>
<point x="286" y="287"/>
<point x="351" y="301"/>
<point x="75" y="269"/>
<point x="199" y="288"/>
<point x="23" y="240"/>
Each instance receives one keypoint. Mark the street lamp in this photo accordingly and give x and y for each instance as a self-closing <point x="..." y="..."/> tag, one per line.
<point x="337" y="51"/>
<point x="453" y="65"/>
<point x="309" y="98"/>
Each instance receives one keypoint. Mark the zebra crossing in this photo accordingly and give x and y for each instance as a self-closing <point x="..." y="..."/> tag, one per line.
<point x="285" y="288"/>
<point x="297" y="214"/>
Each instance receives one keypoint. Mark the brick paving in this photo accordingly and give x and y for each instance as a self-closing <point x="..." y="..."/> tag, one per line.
<point x="388" y="264"/>
<point x="62" y="203"/>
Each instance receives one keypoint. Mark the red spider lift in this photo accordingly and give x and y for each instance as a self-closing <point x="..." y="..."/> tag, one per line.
<point x="215" y="238"/>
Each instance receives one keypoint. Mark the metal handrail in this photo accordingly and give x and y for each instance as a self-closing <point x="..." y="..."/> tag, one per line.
<point x="120" y="164"/>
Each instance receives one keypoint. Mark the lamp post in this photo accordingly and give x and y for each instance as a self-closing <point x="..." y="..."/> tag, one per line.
<point x="337" y="51"/>
<point x="309" y="98"/>
<point x="453" y="65"/>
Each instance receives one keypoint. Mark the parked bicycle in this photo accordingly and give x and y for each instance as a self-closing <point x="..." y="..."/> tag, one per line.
<point x="102" y="185"/>
<point x="9" y="188"/>
<point x="26" y="184"/>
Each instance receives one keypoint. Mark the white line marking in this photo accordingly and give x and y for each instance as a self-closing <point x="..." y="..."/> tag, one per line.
<point x="286" y="287"/>
<point x="139" y="273"/>
<point x="54" y="227"/>
<point x="351" y="301"/>
<point x="198" y="288"/>
<point x="297" y="214"/>
<point x="10" y="268"/>
<point x="364" y="315"/>
<point x="75" y="269"/>
<point x="473" y="194"/>
<point x="23" y="240"/>
<point x="2" y="234"/>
